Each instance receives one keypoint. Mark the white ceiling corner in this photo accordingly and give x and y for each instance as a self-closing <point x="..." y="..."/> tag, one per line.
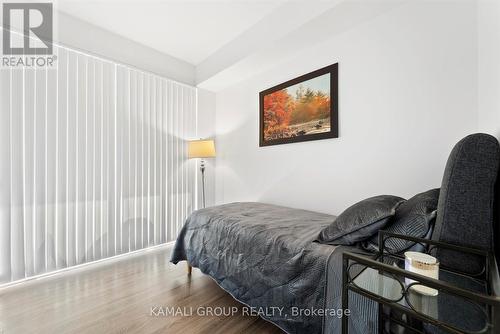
<point x="188" y="30"/>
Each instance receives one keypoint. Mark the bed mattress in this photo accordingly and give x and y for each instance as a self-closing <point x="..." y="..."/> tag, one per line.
<point x="264" y="256"/>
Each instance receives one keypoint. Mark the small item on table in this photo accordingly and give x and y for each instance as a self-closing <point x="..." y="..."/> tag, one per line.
<point x="423" y="264"/>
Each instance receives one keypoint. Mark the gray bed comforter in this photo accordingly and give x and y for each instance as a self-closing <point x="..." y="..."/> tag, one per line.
<point x="264" y="256"/>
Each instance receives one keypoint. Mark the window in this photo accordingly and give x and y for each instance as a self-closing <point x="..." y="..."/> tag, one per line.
<point x="92" y="162"/>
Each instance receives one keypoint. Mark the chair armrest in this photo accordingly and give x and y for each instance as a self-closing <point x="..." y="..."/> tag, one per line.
<point x="384" y="235"/>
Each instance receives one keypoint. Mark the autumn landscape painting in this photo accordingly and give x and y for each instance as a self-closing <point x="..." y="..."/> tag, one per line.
<point x="300" y="109"/>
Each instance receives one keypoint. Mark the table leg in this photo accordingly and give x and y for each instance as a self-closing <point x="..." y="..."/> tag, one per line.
<point x="345" y="296"/>
<point x="380" y="318"/>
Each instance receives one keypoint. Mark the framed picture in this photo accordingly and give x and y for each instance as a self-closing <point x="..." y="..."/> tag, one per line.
<point x="301" y="109"/>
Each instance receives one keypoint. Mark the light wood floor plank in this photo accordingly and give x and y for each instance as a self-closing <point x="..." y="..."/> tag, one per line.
<point x="117" y="297"/>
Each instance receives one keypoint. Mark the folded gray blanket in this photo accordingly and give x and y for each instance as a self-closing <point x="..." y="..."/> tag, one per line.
<point x="264" y="256"/>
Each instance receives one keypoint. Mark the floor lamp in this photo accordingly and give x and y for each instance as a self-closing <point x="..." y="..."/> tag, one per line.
<point x="201" y="149"/>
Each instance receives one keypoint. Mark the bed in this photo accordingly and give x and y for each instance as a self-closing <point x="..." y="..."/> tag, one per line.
<point x="264" y="255"/>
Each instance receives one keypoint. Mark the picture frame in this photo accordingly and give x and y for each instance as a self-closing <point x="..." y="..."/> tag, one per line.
<point x="301" y="109"/>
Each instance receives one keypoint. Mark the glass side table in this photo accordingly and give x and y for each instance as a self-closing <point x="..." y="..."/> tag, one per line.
<point x="464" y="304"/>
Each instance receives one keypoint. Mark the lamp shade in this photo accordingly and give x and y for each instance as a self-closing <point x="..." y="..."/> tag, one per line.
<point x="201" y="149"/>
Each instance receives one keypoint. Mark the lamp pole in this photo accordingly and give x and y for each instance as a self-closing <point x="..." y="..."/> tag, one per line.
<point x="201" y="149"/>
<point x="202" y="169"/>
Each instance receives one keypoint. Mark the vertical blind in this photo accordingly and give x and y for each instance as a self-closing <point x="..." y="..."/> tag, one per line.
<point x="93" y="162"/>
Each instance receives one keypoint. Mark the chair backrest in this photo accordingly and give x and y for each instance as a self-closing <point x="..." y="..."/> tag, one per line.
<point x="468" y="202"/>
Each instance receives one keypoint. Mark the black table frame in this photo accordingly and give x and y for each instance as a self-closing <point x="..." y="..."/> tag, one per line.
<point x="492" y="302"/>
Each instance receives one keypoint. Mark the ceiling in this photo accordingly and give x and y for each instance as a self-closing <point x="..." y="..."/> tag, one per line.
<point x="189" y="30"/>
<point x="227" y="41"/>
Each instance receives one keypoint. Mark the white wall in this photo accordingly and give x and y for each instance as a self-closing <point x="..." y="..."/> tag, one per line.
<point x="407" y="93"/>
<point x="489" y="66"/>
<point x="78" y="34"/>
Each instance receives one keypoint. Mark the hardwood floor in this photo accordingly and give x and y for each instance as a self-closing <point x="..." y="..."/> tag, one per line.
<point x="124" y="296"/>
